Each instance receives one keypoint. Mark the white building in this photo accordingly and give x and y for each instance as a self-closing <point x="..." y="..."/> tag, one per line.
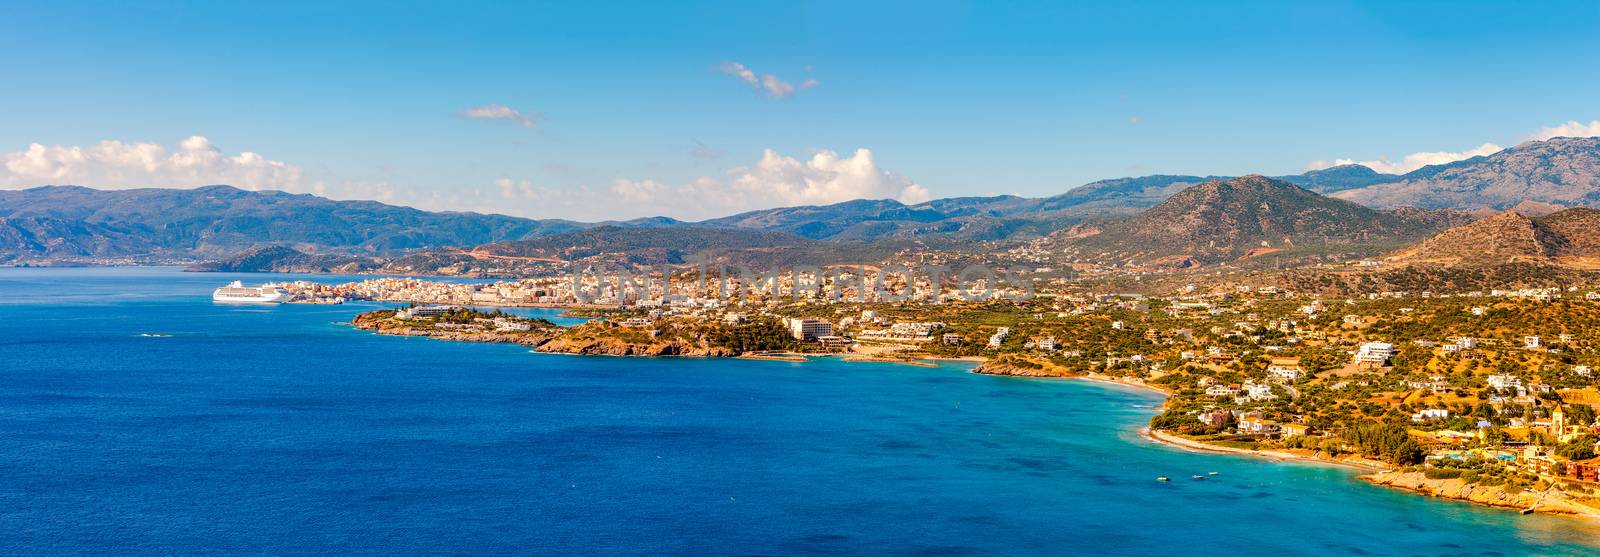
<point x="809" y="329"/>
<point x="1221" y="390"/>
<point x="998" y="337"/>
<point x="1286" y="372"/>
<point x="1256" y="391"/>
<point x="1430" y="414"/>
<point x="1374" y="353"/>
<point x="1504" y="381"/>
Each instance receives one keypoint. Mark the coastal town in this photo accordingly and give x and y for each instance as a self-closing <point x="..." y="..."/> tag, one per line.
<point x="1486" y="396"/>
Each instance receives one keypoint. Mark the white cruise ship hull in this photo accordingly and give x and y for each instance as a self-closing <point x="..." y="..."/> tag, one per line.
<point x="257" y="299"/>
<point x="236" y="292"/>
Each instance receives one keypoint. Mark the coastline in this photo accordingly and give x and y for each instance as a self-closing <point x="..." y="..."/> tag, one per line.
<point x="1551" y="501"/>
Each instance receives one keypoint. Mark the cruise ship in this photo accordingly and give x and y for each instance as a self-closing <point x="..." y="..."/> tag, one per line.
<point x="236" y="291"/>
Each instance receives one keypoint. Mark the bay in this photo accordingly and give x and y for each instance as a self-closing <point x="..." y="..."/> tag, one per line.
<point x="277" y="429"/>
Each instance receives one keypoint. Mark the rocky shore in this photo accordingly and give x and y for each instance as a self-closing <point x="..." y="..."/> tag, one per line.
<point x="1549" y="501"/>
<point x="1022" y="368"/>
<point x="619" y="347"/>
<point x="1027" y="368"/>
<point x="548" y="339"/>
<point x="367" y="322"/>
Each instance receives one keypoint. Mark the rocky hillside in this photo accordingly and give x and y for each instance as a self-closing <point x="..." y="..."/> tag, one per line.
<point x="1570" y="236"/>
<point x="1226" y="220"/>
<point x="1563" y="171"/>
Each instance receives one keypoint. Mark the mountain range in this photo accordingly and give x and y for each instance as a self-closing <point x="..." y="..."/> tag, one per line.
<point x="1118" y="218"/>
<point x="1564" y="171"/>
<point x="65" y="222"/>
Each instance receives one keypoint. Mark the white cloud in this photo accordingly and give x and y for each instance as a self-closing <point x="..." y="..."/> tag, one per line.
<point x="115" y="164"/>
<point x="1412" y="161"/>
<point x="824" y="178"/>
<point x="641" y="191"/>
<point x="502" y="112"/>
<point x="770" y="84"/>
<point x="773" y="181"/>
<point x="1572" y="128"/>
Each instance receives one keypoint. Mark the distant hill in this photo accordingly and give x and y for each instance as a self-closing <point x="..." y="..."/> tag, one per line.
<point x="68" y="223"/>
<point x="619" y="247"/>
<point x="283" y="259"/>
<point x="1226" y="220"/>
<point x="1570" y="237"/>
<point x="1339" y="178"/>
<point x="1564" y="171"/>
<point x="63" y="222"/>
<point x="637" y="245"/>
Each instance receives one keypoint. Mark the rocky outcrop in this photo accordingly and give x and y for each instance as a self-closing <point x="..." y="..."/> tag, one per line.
<point x="1551" y="501"/>
<point x="374" y="321"/>
<point x="608" y="346"/>
<point x="1017" y="367"/>
<point x="1020" y="367"/>
<point x="590" y="339"/>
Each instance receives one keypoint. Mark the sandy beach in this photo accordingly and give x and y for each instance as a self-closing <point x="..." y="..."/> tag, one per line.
<point x="1280" y="456"/>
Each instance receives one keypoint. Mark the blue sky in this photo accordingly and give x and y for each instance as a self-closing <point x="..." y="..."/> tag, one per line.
<point x="632" y="113"/>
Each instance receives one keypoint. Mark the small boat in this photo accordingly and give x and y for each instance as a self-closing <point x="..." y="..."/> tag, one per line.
<point x="1163" y="479"/>
<point x="1198" y="477"/>
<point x="1212" y="474"/>
<point x="154" y="335"/>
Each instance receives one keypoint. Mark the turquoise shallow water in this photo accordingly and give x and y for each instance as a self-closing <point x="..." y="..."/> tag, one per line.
<point x="277" y="430"/>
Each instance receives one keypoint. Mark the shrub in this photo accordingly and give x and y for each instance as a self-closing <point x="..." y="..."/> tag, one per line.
<point x="1441" y="473"/>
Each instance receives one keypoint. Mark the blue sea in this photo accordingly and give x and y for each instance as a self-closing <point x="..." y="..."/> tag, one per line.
<point x="278" y="430"/>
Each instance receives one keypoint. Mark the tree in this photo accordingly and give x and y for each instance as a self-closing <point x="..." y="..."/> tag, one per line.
<point x="1387" y="441"/>
<point x="1494" y="436"/>
<point x="1581" y="448"/>
<point x="1581" y="414"/>
<point x="1172" y="420"/>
